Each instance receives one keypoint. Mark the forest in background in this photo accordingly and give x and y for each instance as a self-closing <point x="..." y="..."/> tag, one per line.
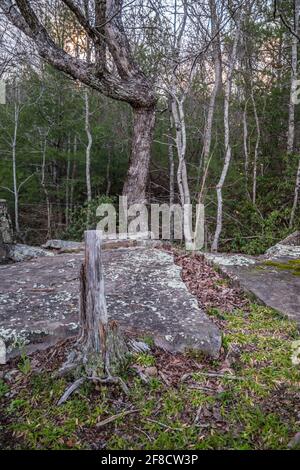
<point x="224" y="73"/>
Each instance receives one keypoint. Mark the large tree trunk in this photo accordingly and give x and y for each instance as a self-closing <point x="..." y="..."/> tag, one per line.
<point x="227" y="142"/>
<point x="294" y="74"/>
<point x="68" y="182"/>
<point x="137" y="176"/>
<point x="116" y="75"/>
<point x="257" y="143"/>
<point x="44" y="186"/>
<point x="14" y="167"/>
<point x="88" y="148"/>
<point x="245" y="143"/>
<point x="296" y="196"/>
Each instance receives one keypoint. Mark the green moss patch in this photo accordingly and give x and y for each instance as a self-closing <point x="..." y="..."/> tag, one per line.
<point x="249" y="401"/>
<point x="292" y="265"/>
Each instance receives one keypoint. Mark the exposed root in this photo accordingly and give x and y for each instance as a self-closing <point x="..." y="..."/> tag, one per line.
<point x="74" y="360"/>
<point x="70" y="390"/>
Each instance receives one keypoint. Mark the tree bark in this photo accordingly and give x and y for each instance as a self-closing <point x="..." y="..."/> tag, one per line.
<point x="294" y="74"/>
<point x="211" y="108"/>
<point x="296" y="197"/>
<point x="257" y="143"/>
<point x="108" y="179"/>
<point x="74" y="168"/>
<point x="171" y="157"/>
<point x="68" y="182"/>
<point x="88" y="148"/>
<point x="228" y="152"/>
<point x="44" y="186"/>
<point x="100" y="340"/>
<point x="245" y="143"/>
<point x="14" y="167"/>
<point x="93" y="310"/>
<point x="137" y="176"/>
<point x="118" y="77"/>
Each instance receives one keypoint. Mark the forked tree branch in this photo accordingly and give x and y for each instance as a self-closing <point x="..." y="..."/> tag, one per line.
<point x="130" y="86"/>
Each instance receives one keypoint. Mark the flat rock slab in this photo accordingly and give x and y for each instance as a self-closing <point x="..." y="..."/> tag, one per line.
<point x="270" y="285"/>
<point x="144" y="290"/>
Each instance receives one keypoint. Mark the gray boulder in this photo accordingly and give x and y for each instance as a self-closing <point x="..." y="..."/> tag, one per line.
<point x="19" y="252"/>
<point x="64" y="246"/>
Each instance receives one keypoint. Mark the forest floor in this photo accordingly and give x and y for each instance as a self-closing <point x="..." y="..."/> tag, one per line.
<point x="247" y="399"/>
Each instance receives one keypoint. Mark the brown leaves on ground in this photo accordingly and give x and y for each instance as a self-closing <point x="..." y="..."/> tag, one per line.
<point x="210" y="287"/>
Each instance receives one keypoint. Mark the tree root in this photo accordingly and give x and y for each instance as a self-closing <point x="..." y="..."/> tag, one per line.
<point x="109" y="379"/>
<point x="70" y="390"/>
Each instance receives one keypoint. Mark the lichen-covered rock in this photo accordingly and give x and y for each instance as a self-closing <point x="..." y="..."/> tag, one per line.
<point x="224" y="259"/>
<point x="268" y="282"/>
<point x="64" y="246"/>
<point x="287" y="248"/>
<point x="144" y="291"/>
<point x="292" y="239"/>
<point x="283" y="251"/>
<point x="19" y="252"/>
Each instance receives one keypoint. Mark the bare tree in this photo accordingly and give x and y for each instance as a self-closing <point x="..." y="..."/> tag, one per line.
<point x="291" y="128"/>
<point x="12" y="141"/>
<point x="113" y="72"/>
<point x="228" y="153"/>
<point x="88" y="147"/>
<point x="257" y="143"/>
<point x="294" y="30"/>
<point x="217" y="58"/>
<point x="43" y="142"/>
<point x="294" y="76"/>
<point x="296" y="197"/>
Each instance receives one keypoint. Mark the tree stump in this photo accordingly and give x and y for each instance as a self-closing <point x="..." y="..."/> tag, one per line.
<point x="100" y="346"/>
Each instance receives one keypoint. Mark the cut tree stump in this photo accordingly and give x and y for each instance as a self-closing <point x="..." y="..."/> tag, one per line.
<point x="93" y="309"/>
<point x="100" y="346"/>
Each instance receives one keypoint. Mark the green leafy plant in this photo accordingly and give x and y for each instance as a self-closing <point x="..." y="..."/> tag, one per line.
<point x="85" y="217"/>
<point x="25" y="364"/>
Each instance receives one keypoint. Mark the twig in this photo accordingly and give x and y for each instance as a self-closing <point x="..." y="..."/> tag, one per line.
<point x="70" y="390"/>
<point x="198" y="387"/>
<point x="143" y="432"/>
<point x="211" y="374"/>
<point x="113" y="418"/>
<point x="164" y="378"/>
<point x="162" y="424"/>
<point x="198" y="415"/>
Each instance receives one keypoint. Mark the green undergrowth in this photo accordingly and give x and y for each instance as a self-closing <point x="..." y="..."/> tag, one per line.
<point x="253" y="405"/>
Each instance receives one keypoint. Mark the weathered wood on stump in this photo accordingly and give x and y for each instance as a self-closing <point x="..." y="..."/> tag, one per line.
<point x="100" y="348"/>
<point x="98" y="335"/>
<point x="93" y="310"/>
